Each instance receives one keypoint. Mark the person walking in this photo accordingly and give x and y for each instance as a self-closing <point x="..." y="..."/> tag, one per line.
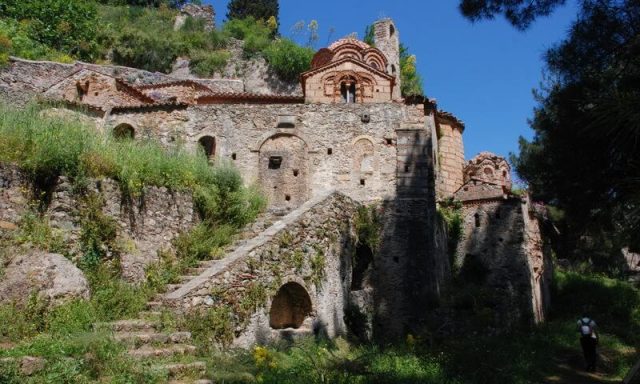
<point x="588" y="341"/>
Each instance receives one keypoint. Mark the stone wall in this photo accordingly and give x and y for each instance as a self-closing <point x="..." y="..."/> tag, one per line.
<point x="14" y="195"/>
<point x="146" y="224"/>
<point x="451" y="162"/>
<point x="331" y="135"/>
<point x="201" y="12"/>
<point x="311" y="247"/>
<point x="323" y="87"/>
<point x="501" y="250"/>
<point x="387" y="40"/>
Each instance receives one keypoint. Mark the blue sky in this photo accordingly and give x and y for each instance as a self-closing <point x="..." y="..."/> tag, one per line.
<point x="484" y="73"/>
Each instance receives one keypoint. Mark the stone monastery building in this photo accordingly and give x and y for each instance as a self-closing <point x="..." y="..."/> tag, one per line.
<point x="350" y="138"/>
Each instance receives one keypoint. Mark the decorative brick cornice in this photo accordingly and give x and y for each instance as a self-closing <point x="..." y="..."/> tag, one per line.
<point x="247" y="98"/>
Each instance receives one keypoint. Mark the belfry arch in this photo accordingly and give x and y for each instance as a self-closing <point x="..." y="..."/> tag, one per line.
<point x="283" y="170"/>
<point x="290" y="306"/>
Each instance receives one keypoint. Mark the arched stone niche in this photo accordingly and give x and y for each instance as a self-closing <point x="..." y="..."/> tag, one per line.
<point x="124" y="131"/>
<point x="283" y="170"/>
<point x="363" y="161"/>
<point x="289" y="307"/>
<point x="208" y="144"/>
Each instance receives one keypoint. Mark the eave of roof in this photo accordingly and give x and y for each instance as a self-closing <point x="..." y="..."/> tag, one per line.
<point x="247" y="98"/>
<point x="306" y="74"/>
<point x="450" y="118"/>
<point x="177" y="83"/>
<point x="148" y="107"/>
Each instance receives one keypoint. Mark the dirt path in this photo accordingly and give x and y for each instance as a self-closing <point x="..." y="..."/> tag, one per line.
<point x="568" y="368"/>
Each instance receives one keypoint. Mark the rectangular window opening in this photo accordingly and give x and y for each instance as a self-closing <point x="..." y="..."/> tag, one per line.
<point x="362" y="182"/>
<point x="233" y="156"/>
<point x="275" y="162"/>
<point x="329" y="151"/>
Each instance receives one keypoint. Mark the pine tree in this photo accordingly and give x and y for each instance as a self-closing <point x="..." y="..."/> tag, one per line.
<point x="259" y="9"/>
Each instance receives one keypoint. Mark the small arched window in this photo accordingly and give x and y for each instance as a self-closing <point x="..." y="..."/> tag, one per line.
<point x="348" y="91"/>
<point x="393" y="69"/>
<point x="124" y="132"/>
<point x="392" y="30"/>
<point x="477" y="219"/>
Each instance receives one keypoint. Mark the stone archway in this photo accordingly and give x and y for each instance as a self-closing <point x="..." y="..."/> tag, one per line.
<point x="290" y="306"/>
<point x="124" y="131"/>
<point x="283" y="170"/>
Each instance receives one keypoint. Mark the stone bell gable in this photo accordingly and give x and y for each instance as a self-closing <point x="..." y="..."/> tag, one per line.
<point x="348" y="71"/>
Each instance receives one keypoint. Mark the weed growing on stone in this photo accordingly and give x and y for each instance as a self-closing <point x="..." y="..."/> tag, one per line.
<point x="367" y="227"/>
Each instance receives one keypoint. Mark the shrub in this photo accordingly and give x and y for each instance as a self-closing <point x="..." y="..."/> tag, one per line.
<point x="59" y="24"/>
<point x="202" y="241"/>
<point x="256" y="34"/>
<point x="288" y="59"/>
<point x="146" y="50"/>
<point x="205" y="65"/>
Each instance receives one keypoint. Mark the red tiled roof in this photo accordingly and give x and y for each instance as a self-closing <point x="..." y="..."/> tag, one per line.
<point x="444" y="115"/>
<point x="304" y="75"/>
<point x="177" y="83"/>
<point x="155" y="106"/>
<point x="128" y="89"/>
<point x="248" y="98"/>
<point x="349" y="40"/>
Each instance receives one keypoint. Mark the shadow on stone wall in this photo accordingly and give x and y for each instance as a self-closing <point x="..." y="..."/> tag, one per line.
<point x="408" y="272"/>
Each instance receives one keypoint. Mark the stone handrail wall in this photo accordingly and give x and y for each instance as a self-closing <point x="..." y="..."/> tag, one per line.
<point x="311" y="246"/>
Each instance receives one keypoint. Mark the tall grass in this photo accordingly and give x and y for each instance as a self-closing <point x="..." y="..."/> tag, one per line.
<point x="47" y="147"/>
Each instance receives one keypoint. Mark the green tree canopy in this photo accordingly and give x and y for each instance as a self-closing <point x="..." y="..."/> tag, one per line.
<point x="258" y="9"/>
<point x="520" y="13"/>
<point x="585" y="155"/>
<point x="149" y="3"/>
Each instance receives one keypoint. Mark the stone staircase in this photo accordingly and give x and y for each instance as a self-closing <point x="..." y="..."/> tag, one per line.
<point x="262" y="222"/>
<point x="170" y="352"/>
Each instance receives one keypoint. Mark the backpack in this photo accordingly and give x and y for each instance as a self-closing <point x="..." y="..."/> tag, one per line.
<point x="585" y="327"/>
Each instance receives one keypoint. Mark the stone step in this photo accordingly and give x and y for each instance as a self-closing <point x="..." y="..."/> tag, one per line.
<point x="186" y="278"/>
<point x="148" y="351"/>
<point x="180" y="369"/>
<point x="153" y="305"/>
<point x="147" y="314"/>
<point x="206" y="263"/>
<point x="195" y="271"/>
<point x="138" y="338"/>
<point x="128" y="325"/>
<point x="172" y="287"/>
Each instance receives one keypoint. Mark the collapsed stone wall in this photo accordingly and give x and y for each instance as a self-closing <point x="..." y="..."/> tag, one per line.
<point x="146" y="224"/>
<point x="501" y="250"/>
<point x="23" y="80"/>
<point x="311" y="247"/>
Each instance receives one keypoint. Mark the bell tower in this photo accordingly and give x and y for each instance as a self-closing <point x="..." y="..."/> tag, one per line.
<point x="387" y="40"/>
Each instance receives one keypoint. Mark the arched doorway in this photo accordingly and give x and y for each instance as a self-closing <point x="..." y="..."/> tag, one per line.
<point x="290" y="306"/>
<point x="283" y="170"/>
<point x="208" y="144"/>
<point x="124" y="131"/>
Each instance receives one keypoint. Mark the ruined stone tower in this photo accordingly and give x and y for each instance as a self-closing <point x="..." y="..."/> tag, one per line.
<point x="451" y="154"/>
<point x="387" y="40"/>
